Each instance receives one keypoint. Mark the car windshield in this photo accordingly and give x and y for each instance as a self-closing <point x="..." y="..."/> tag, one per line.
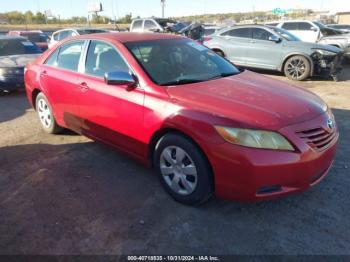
<point x="165" y="22"/>
<point x="90" y="31"/>
<point x="327" y="31"/>
<point x="284" y="34"/>
<point x="17" y="47"/>
<point x="179" y="61"/>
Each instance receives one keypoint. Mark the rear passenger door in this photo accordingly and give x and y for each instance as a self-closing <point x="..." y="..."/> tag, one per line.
<point x="236" y="44"/>
<point x="110" y="112"/>
<point x="59" y="79"/>
<point x="263" y="53"/>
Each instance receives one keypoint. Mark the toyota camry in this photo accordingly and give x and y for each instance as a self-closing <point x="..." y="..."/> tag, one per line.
<point x="207" y="127"/>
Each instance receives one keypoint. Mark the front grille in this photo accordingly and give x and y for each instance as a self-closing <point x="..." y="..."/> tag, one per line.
<point x="318" y="138"/>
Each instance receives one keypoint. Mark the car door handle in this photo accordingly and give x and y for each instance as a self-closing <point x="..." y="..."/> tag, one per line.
<point x="84" y="87"/>
<point x="43" y="73"/>
<point x="252" y="41"/>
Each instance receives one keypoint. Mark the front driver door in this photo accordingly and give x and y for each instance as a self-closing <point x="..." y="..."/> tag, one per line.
<point x="110" y="113"/>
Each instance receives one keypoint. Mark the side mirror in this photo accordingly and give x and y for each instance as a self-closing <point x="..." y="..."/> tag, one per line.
<point x="121" y="78"/>
<point x="314" y="29"/>
<point x="275" y="38"/>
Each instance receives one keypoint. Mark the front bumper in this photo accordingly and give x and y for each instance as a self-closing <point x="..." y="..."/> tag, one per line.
<point x="247" y="174"/>
<point x="327" y="66"/>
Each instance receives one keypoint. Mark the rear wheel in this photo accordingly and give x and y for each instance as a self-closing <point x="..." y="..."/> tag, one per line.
<point x="183" y="169"/>
<point x="45" y="115"/>
<point x="297" y="68"/>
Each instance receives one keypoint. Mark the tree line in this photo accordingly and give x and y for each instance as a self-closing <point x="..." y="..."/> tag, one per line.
<point x="28" y="17"/>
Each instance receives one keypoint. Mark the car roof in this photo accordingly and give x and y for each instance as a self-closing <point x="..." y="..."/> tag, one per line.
<point x="11" y="37"/>
<point x="26" y="31"/>
<point x="297" y="21"/>
<point x="250" y="25"/>
<point x="125" y="37"/>
<point x="80" y="28"/>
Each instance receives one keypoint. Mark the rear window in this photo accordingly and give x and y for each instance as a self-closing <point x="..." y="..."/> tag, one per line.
<point x="18" y="47"/>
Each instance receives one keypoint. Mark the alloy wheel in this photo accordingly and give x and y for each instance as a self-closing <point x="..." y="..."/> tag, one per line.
<point x="44" y="113"/>
<point x="296" y="68"/>
<point x="178" y="170"/>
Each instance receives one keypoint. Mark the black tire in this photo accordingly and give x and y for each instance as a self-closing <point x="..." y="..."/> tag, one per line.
<point x="52" y="127"/>
<point x="204" y="187"/>
<point x="297" y="68"/>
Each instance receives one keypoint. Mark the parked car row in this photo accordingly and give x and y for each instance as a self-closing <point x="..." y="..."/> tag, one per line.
<point x="15" y="53"/>
<point x="273" y="48"/>
<point x="17" y="48"/>
<point x="207" y="126"/>
<point x="316" y="32"/>
<point x="36" y="36"/>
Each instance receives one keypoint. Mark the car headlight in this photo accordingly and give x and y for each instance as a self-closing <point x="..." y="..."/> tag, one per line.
<point x="325" y="52"/>
<point x="254" y="138"/>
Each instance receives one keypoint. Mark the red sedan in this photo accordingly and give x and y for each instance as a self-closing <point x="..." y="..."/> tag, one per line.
<point x="206" y="126"/>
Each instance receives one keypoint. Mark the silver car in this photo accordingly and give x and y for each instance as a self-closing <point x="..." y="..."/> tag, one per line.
<point x="272" y="48"/>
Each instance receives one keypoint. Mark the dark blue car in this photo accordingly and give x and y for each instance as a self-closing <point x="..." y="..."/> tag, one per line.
<point x="15" y="53"/>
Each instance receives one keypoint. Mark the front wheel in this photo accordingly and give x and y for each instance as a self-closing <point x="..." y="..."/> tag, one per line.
<point x="183" y="169"/>
<point x="297" y="68"/>
<point x="45" y="115"/>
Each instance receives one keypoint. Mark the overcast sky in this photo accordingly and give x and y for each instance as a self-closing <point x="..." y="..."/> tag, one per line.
<point x="145" y="8"/>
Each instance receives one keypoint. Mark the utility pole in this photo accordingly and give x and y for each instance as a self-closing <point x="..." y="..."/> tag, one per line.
<point x="162" y="2"/>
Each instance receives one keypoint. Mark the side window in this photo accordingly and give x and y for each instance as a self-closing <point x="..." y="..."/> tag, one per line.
<point x="142" y="52"/>
<point x="55" y="36"/>
<point x="304" y="26"/>
<point x="149" y="24"/>
<point x="137" y="25"/>
<point x="63" y="35"/>
<point x="103" y="58"/>
<point x="239" y="32"/>
<point x="52" y="59"/>
<point x="261" y="34"/>
<point x="69" y="55"/>
<point x="290" y="26"/>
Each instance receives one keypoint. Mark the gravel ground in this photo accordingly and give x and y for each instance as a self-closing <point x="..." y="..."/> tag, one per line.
<point x="66" y="194"/>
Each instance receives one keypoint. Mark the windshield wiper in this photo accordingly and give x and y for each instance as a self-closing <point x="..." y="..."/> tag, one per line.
<point x="222" y="75"/>
<point x="181" y="82"/>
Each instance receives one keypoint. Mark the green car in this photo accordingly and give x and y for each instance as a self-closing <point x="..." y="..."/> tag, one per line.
<point x="272" y="48"/>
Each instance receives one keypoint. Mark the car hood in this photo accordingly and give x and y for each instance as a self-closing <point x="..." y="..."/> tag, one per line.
<point x="17" y="60"/>
<point x="253" y="100"/>
<point x="342" y="36"/>
<point x="313" y="46"/>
